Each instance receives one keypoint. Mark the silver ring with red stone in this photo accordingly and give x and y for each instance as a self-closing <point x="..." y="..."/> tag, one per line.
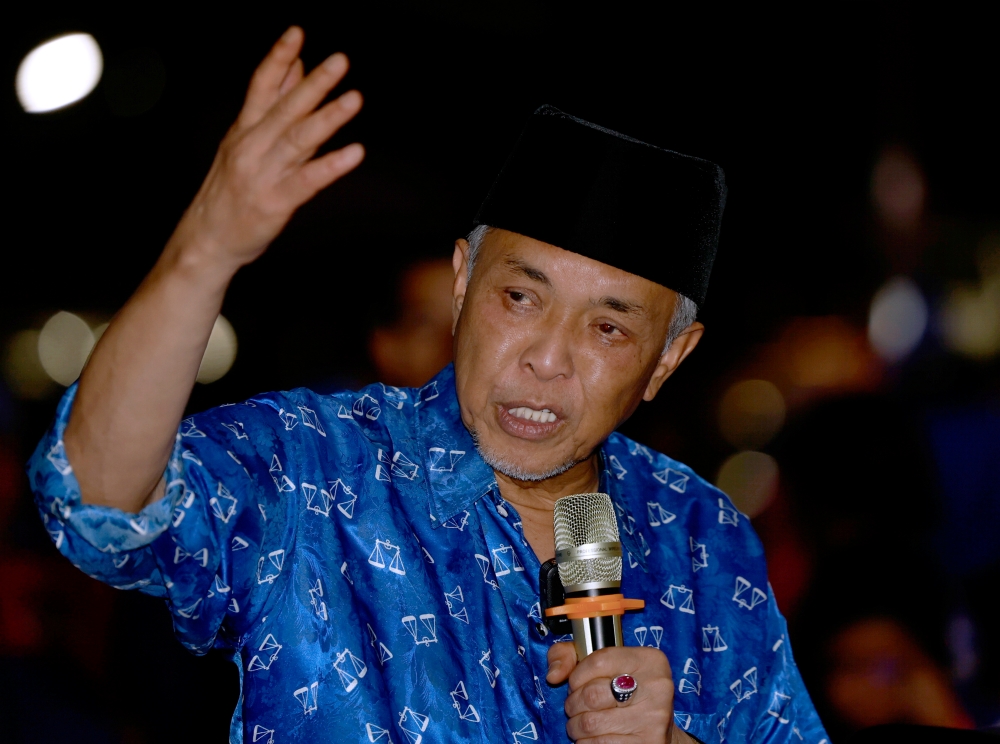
<point x="623" y="687"/>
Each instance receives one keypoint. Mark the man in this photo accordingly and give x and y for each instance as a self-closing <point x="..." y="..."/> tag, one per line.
<point x="371" y="558"/>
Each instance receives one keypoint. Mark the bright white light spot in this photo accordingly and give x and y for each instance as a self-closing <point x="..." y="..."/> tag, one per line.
<point x="64" y="344"/>
<point x="220" y="352"/>
<point x="751" y="413"/>
<point x="897" y="319"/>
<point x="59" y="72"/>
<point x="750" y="479"/>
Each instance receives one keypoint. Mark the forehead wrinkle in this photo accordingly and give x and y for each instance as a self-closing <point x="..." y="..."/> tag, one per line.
<point x="520" y="266"/>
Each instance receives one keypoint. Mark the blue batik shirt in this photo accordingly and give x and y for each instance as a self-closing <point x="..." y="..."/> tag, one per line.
<point x="354" y="553"/>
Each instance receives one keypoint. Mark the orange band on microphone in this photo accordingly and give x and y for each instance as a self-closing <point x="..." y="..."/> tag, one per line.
<point x="577" y="608"/>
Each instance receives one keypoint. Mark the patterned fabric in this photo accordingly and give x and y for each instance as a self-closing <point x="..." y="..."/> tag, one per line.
<point x="354" y="553"/>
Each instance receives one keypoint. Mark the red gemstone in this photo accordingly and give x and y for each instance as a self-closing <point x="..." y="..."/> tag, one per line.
<point x="625" y="683"/>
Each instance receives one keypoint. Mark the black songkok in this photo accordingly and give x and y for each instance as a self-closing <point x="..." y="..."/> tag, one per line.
<point x="587" y="189"/>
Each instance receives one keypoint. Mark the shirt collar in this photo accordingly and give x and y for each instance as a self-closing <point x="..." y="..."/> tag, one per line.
<point x="458" y="475"/>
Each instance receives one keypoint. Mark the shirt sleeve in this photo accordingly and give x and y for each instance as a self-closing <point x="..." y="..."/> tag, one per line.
<point x="211" y="547"/>
<point x="785" y="712"/>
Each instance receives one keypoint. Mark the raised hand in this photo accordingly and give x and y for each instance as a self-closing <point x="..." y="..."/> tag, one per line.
<point x="595" y="717"/>
<point x="264" y="169"/>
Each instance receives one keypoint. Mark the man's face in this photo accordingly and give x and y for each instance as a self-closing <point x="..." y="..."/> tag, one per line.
<point x="553" y="351"/>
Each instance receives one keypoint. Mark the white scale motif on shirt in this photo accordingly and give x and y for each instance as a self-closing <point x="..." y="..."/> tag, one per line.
<point x="617" y="468"/>
<point x="311" y="420"/>
<point x="377" y="733"/>
<point x="188" y="429"/>
<point x="395" y="396"/>
<point x="181" y="555"/>
<point x="191" y="612"/>
<point x="427" y="393"/>
<point x="740" y="595"/>
<point x="307" y="696"/>
<point x="237" y="428"/>
<point x="691" y="681"/>
<point x="276" y="559"/>
<point x="223" y="504"/>
<point x="269" y="648"/>
<point x="438" y="462"/>
<point x="57" y="456"/>
<point x="627" y="520"/>
<point x="259" y="732"/>
<point x="683" y="720"/>
<point x="505" y="560"/>
<point x="289" y="419"/>
<point x="491" y="669"/>
<point x="459" y="696"/>
<point x="528" y="732"/>
<point x="455" y="597"/>
<point x="674" y="479"/>
<point x="711" y="639"/>
<point x="699" y="555"/>
<point x="657" y="515"/>
<point x="639" y="450"/>
<point x="345" y="573"/>
<point x="238" y="543"/>
<point x="284" y="484"/>
<point x="728" y="514"/>
<point x="484" y="565"/>
<point x="191" y="457"/>
<point x="316" y="600"/>
<point x="457" y="522"/>
<point x="400" y="466"/>
<point x="679" y="594"/>
<point x="365" y="406"/>
<point x="377" y="557"/>
<point x="655" y="633"/>
<point x="384" y="654"/>
<point x="352" y="672"/>
<point x="744" y="692"/>
<point x="779" y="707"/>
<point x="424" y="633"/>
<point x="415" y="720"/>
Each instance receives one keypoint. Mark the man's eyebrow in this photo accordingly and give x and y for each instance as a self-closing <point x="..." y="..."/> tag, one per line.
<point x="519" y="266"/>
<point x="622" y="306"/>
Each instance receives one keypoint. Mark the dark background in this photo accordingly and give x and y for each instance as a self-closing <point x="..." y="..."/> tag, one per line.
<point x="794" y="102"/>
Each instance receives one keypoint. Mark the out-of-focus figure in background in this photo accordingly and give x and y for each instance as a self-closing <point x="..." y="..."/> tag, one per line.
<point x="415" y="341"/>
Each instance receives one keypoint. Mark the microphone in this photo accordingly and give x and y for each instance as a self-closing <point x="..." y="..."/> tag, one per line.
<point x="589" y="557"/>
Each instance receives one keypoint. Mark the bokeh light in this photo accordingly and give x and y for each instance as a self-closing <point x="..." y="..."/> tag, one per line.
<point x="220" y="352"/>
<point x="22" y="368"/>
<point x="59" y="72"/>
<point x="751" y="413"/>
<point x="897" y="319"/>
<point x="64" y="344"/>
<point x="750" y="479"/>
<point x="899" y="189"/>
<point x="970" y="319"/>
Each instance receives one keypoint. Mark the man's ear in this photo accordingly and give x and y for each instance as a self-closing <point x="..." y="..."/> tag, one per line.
<point x="671" y="359"/>
<point x="459" y="262"/>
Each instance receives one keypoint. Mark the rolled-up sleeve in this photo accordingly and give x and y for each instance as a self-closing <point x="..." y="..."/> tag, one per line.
<point x="200" y="546"/>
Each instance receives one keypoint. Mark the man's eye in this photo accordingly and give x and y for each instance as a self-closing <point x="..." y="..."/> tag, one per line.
<point x="517" y="296"/>
<point x="607" y="328"/>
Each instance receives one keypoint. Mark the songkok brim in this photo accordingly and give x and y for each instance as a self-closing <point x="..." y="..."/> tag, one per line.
<point x="649" y="211"/>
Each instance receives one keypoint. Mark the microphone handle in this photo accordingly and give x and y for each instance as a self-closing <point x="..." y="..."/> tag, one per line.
<point x="591" y="634"/>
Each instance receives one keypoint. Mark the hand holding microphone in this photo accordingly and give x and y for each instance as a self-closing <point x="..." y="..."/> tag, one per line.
<point x="640" y="708"/>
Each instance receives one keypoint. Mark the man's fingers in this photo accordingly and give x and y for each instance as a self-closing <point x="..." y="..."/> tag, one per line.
<point x="562" y="660"/>
<point x="610" y="662"/>
<point x="269" y="75"/>
<point x="306" y="96"/>
<point x="595" y="695"/>
<point x="305" y="136"/>
<point x="292" y="78"/>
<point x="593" y="724"/>
<point x="321" y="172"/>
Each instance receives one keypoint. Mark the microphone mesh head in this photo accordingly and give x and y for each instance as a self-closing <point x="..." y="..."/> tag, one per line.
<point x="581" y="519"/>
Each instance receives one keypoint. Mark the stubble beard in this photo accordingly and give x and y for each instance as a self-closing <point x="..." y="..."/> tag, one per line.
<point x="513" y="470"/>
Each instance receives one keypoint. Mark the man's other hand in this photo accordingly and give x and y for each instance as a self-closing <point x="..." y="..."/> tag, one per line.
<point x="595" y="717"/>
<point x="264" y="169"/>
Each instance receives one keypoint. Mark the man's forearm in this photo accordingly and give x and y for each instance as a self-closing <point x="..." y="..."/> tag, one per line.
<point x="136" y="385"/>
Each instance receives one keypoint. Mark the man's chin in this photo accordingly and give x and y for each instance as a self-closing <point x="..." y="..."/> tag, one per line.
<point x="517" y="470"/>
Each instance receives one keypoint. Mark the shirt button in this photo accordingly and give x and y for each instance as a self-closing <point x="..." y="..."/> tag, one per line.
<point x="542" y="629"/>
<point x="501" y="511"/>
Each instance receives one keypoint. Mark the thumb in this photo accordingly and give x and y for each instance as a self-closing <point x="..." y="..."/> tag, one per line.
<point x="562" y="661"/>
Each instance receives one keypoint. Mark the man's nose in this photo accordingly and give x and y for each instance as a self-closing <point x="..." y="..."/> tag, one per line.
<point x="549" y="355"/>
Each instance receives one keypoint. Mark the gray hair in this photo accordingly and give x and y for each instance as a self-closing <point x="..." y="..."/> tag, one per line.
<point x="685" y="311"/>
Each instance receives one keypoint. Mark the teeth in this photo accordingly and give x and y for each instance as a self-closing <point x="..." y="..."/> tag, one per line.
<point x="544" y="416"/>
